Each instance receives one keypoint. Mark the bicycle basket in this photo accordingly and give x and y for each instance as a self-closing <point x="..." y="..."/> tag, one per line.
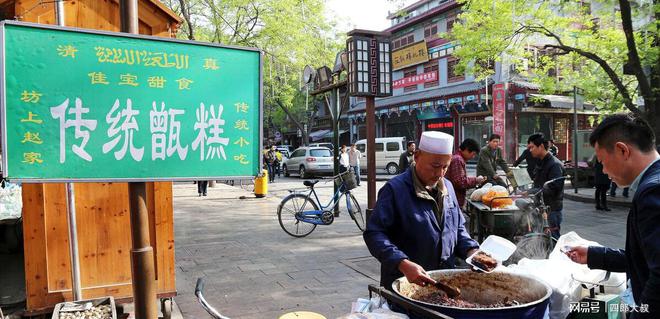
<point x="348" y="179"/>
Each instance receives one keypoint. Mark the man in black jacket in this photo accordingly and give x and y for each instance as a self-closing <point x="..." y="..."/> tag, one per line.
<point x="529" y="159"/>
<point x="626" y="146"/>
<point x="548" y="168"/>
<point x="406" y="158"/>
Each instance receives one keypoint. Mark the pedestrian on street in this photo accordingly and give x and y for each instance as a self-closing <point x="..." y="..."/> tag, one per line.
<point x="549" y="168"/>
<point x="417" y="224"/>
<point x="602" y="182"/>
<point x="354" y="156"/>
<point x="279" y="161"/>
<point x="554" y="150"/>
<point x="271" y="160"/>
<point x="613" y="190"/>
<point x="626" y="146"/>
<point x="489" y="158"/>
<point x="457" y="174"/>
<point x="202" y="187"/>
<point x="530" y="160"/>
<point x="344" y="162"/>
<point x="407" y="157"/>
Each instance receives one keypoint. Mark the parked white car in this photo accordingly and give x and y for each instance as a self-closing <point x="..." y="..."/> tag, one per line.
<point x="328" y="145"/>
<point x="308" y="161"/>
<point x="388" y="151"/>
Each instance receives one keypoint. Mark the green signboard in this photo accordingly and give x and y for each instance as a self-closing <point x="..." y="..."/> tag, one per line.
<point x="80" y="105"/>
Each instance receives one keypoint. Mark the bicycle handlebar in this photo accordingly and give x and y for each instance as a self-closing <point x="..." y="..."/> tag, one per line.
<point x="548" y="183"/>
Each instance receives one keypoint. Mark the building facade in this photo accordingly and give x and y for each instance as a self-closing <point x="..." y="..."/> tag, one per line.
<point x="429" y="94"/>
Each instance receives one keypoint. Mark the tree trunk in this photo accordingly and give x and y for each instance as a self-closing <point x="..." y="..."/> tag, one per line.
<point x="186" y="16"/>
<point x="299" y="124"/>
<point x="653" y="116"/>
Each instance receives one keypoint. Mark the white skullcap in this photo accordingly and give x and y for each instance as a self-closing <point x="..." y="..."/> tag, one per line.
<point x="436" y="143"/>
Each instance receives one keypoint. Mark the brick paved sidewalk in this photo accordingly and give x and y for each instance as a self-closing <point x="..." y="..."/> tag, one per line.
<point x="255" y="270"/>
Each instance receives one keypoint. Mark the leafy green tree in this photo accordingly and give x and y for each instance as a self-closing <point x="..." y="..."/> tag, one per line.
<point x="587" y="44"/>
<point x="291" y="33"/>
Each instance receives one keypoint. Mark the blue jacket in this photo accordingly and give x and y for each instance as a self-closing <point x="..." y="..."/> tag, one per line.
<point x="404" y="226"/>
<point x="641" y="259"/>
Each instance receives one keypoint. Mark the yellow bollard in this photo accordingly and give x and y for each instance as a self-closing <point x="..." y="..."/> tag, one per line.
<point x="261" y="185"/>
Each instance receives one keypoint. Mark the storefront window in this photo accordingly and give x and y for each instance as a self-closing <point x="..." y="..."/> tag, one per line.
<point x="431" y="31"/>
<point x="402" y="125"/>
<point x="452" y="74"/>
<point x="478" y="131"/>
<point x="560" y="134"/>
<point x="529" y="124"/>
<point x="403" y="41"/>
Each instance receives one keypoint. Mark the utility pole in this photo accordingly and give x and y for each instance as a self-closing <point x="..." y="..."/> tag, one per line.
<point x="142" y="254"/>
<point x="76" y="287"/>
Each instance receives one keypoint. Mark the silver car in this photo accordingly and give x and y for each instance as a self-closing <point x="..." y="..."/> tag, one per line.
<point x="308" y="161"/>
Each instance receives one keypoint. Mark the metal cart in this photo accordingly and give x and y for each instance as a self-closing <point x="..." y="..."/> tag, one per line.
<point x="489" y="221"/>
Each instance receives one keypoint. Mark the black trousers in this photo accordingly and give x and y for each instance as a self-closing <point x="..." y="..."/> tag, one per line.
<point x="202" y="187"/>
<point x="601" y="196"/>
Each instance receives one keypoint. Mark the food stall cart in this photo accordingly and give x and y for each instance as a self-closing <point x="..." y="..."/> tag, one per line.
<point x="492" y="221"/>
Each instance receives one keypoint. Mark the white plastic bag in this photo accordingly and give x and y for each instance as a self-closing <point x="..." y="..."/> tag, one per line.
<point x="11" y="201"/>
<point x="558" y="271"/>
<point x="374" y="308"/>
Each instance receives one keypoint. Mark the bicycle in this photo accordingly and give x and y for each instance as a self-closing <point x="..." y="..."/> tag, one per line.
<point x="300" y="213"/>
<point x="532" y="233"/>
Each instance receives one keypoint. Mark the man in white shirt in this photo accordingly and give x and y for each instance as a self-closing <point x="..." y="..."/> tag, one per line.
<point x="343" y="160"/>
<point x="354" y="156"/>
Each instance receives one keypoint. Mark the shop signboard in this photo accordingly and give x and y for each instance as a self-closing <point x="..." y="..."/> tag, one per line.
<point x="499" y="110"/>
<point x="416" y="79"/>
<point x="82" y="105"/>
<point x="413" y="54"/>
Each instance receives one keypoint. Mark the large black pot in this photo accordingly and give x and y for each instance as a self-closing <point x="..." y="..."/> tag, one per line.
<point x="482" y="288"/>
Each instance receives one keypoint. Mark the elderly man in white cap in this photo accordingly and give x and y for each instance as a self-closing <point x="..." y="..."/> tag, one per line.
<point x="417" y="224"/>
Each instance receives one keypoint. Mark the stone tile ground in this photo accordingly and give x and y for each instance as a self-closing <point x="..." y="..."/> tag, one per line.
<point x="255" y="270"/>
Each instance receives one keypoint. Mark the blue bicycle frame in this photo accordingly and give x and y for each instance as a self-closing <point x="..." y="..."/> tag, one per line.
<point x="314" y="216"/>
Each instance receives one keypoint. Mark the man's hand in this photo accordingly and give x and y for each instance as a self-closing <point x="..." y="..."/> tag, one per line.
<point x="480" y="179"/>
<point x="471" y="252"/>
<point x="578" y="254"/>
<point x="415" y="273"/>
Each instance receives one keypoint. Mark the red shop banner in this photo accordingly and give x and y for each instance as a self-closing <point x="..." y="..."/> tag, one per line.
<point x="499" y="110"/>
<point x="416" y="79"/>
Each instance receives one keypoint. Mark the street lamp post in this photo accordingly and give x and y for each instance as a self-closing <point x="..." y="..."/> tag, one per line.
<point x="369" y="76"/>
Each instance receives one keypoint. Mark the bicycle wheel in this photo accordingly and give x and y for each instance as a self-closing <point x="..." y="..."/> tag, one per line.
<point x="533" y="246"/>
<point x="291" y="206"/>
<point x="248" y="185"/>
<point x="356" y="213"/>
